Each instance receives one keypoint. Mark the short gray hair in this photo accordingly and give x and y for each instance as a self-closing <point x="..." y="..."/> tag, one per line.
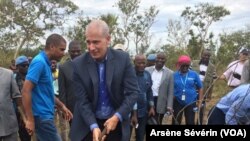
<point x="99" y="24"/>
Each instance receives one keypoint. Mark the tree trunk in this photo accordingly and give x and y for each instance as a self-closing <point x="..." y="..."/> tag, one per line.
<point x="19" y="48"/>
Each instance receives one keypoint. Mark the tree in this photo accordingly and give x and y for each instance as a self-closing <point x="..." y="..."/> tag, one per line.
<point x="194" y="45"/>
<point x="115" y="31"/>
<point x="24" y="22"/>
<point x="136" y="26"/>
<point x="128" y="8"/>
<point x="77" y="32"/>
<point x="178" y="33"/>
<point x="172" y="54"/>
<point x="202" y="17"/>
<point x="231" y="45"/>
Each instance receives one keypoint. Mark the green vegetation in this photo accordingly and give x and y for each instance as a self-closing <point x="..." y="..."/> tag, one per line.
<point x="23" y="23"/>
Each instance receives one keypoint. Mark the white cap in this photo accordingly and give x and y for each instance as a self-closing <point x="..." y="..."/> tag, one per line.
<point x="120" y="47"/>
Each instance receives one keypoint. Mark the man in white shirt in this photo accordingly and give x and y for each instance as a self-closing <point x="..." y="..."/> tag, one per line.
<point x="163" y="87"/>
<point x="234" y="70"/>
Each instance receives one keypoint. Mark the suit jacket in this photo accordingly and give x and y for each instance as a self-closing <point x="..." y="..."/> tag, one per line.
<point x="66" y="85"/>
<point x="166" y="90"/>
<point x="8" y="91"/>
<point x="122" y="89"/>
<point x="209" y="76"/>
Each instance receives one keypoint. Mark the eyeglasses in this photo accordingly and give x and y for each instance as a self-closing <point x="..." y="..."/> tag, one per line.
<point x="24" y="65"/>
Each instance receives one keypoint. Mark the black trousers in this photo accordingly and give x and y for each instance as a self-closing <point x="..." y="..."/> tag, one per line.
<point x="158" y="117"/>
<point x="216" y="117"/>
<point x="188" y="113"/>
<point x="115" y="135"/>
<point x="23" y="134"/>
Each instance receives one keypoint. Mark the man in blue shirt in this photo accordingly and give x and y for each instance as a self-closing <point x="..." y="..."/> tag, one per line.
<point x="233" y="108"/>
<point x="145" y="102"/>
<point x="38" y="93"/>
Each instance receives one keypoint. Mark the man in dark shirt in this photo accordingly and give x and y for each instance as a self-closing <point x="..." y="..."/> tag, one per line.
<point x="22" y="64"/>
<point x="144" y="107"/>
<point x="65" y="80"/>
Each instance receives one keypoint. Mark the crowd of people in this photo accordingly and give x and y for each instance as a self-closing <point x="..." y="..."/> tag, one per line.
<point x="103" y="95"/>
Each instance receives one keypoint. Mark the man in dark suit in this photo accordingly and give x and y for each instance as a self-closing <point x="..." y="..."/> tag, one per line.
<point x="105" y="88"/>
<point x="66" y="88"/>
<point x="65" y="79"/>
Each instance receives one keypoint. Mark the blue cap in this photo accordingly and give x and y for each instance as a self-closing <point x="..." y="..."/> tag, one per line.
<point x="151" y="57"/>
<point x="21" y="59"/>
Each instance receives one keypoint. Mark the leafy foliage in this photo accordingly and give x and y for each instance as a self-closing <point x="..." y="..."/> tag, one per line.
<point x="172" y="54"/>
<point x="115" y="31"/>
<point x="202" y="17"/>
<point x="136" y="25"/>
<point x="24" y="22"/>
<point x="77" y="31"/>
<point x="178" y="33"/>
<point x="231" y="45"/>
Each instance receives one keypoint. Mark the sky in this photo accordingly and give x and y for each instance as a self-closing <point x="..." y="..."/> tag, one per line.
<point x="171" y="9"/>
